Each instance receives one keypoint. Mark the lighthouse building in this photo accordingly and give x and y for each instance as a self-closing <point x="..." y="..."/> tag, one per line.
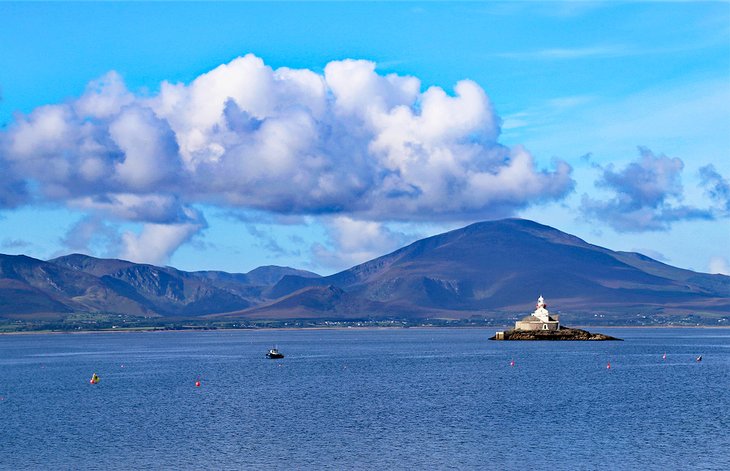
<point x="541" y="319"/>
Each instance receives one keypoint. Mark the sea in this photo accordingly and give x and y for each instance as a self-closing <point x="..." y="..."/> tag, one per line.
<point x="365" y="399"/>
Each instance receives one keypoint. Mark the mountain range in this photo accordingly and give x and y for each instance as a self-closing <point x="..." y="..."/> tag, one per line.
<point x="488" y="269"/>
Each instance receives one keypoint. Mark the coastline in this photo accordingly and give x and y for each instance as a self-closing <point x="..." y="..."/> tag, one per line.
<point x="268" y="329"/>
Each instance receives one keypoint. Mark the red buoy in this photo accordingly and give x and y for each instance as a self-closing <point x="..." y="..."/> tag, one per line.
<point x="197" y="384"/>
<point x="608" y="367"/>
<point x="512" y="363"/>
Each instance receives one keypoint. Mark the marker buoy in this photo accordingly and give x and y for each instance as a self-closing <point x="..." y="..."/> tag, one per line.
<point x="512" y="363"/>
<point x="197" y="384"/>
<point x="608" y="367"/>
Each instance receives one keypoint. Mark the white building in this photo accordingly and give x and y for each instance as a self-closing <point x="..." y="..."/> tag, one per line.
<point x="540" y="319"/>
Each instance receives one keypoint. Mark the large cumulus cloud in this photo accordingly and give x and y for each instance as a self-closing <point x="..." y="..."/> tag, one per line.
<point x="348" y="142"/>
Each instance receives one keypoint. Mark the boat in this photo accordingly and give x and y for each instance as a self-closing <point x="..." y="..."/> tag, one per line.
<point x="94" y="379"/>
<point x="274" y="354"/>
<point x="699" y="358"/>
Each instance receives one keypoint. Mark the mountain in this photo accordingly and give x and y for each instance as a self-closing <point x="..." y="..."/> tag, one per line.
<point x="502" y="265"/>
<point x="31" y="288"/>
<point x="489" y="269"/>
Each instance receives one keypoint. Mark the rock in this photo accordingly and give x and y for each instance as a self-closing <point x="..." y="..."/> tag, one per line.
<point x="564" y="333"/>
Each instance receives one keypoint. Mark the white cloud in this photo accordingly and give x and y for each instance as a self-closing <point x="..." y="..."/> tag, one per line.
<point x="156" y="242"/>
<point x="148" y="146"/>
<point x="568" y="53"/>
<point x="44" y="131"/>
<point x="91" y="235"/>
<point x="647" y="195"/>
<point x="104" y="97"/>
<point x="156" y="208"/>
<point x="347" y="142"/>
<point x="354" y="242"/>
<point x="13" y="190"/>
<point x="717" y="188"/>
<point x="719" y="265"/>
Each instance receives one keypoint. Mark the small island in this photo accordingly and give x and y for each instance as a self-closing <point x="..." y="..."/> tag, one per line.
<point x="541" y="325"/>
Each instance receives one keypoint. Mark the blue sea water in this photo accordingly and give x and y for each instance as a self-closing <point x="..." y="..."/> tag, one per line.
<point x="365" y="399"/>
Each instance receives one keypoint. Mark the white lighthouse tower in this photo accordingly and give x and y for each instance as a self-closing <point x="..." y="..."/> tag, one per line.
<point x="540" y="319"/>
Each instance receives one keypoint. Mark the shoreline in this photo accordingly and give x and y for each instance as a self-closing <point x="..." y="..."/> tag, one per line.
<point x="268" y="329"/>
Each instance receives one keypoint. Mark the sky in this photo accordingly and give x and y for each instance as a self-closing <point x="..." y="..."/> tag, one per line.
<point x="227" y="136"/>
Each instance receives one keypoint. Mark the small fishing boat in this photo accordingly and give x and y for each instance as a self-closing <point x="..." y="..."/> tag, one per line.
<point x="699" y="358"/>
<point x="274" y="354"/>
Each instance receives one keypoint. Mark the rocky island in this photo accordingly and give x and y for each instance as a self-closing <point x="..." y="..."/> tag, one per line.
<point x="564" y="333"/>
<point x="541" y="325"/>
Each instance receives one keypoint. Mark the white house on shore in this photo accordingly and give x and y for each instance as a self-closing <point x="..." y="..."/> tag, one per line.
<point x="540" y="319"/>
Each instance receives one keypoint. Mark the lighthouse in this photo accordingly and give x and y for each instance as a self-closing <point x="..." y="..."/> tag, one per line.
<point x="540" y="319"/>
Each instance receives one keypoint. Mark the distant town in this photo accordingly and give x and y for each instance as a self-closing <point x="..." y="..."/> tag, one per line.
<point x="119" y="323"/>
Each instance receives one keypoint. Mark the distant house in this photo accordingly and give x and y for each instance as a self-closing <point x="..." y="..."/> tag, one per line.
<point x="540" y="319"/>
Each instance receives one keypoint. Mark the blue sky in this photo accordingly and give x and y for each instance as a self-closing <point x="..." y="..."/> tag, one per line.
<point x="319" y="135"/>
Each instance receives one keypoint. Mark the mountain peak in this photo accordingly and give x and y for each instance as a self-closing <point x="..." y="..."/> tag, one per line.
<point x="503" y="264"/>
